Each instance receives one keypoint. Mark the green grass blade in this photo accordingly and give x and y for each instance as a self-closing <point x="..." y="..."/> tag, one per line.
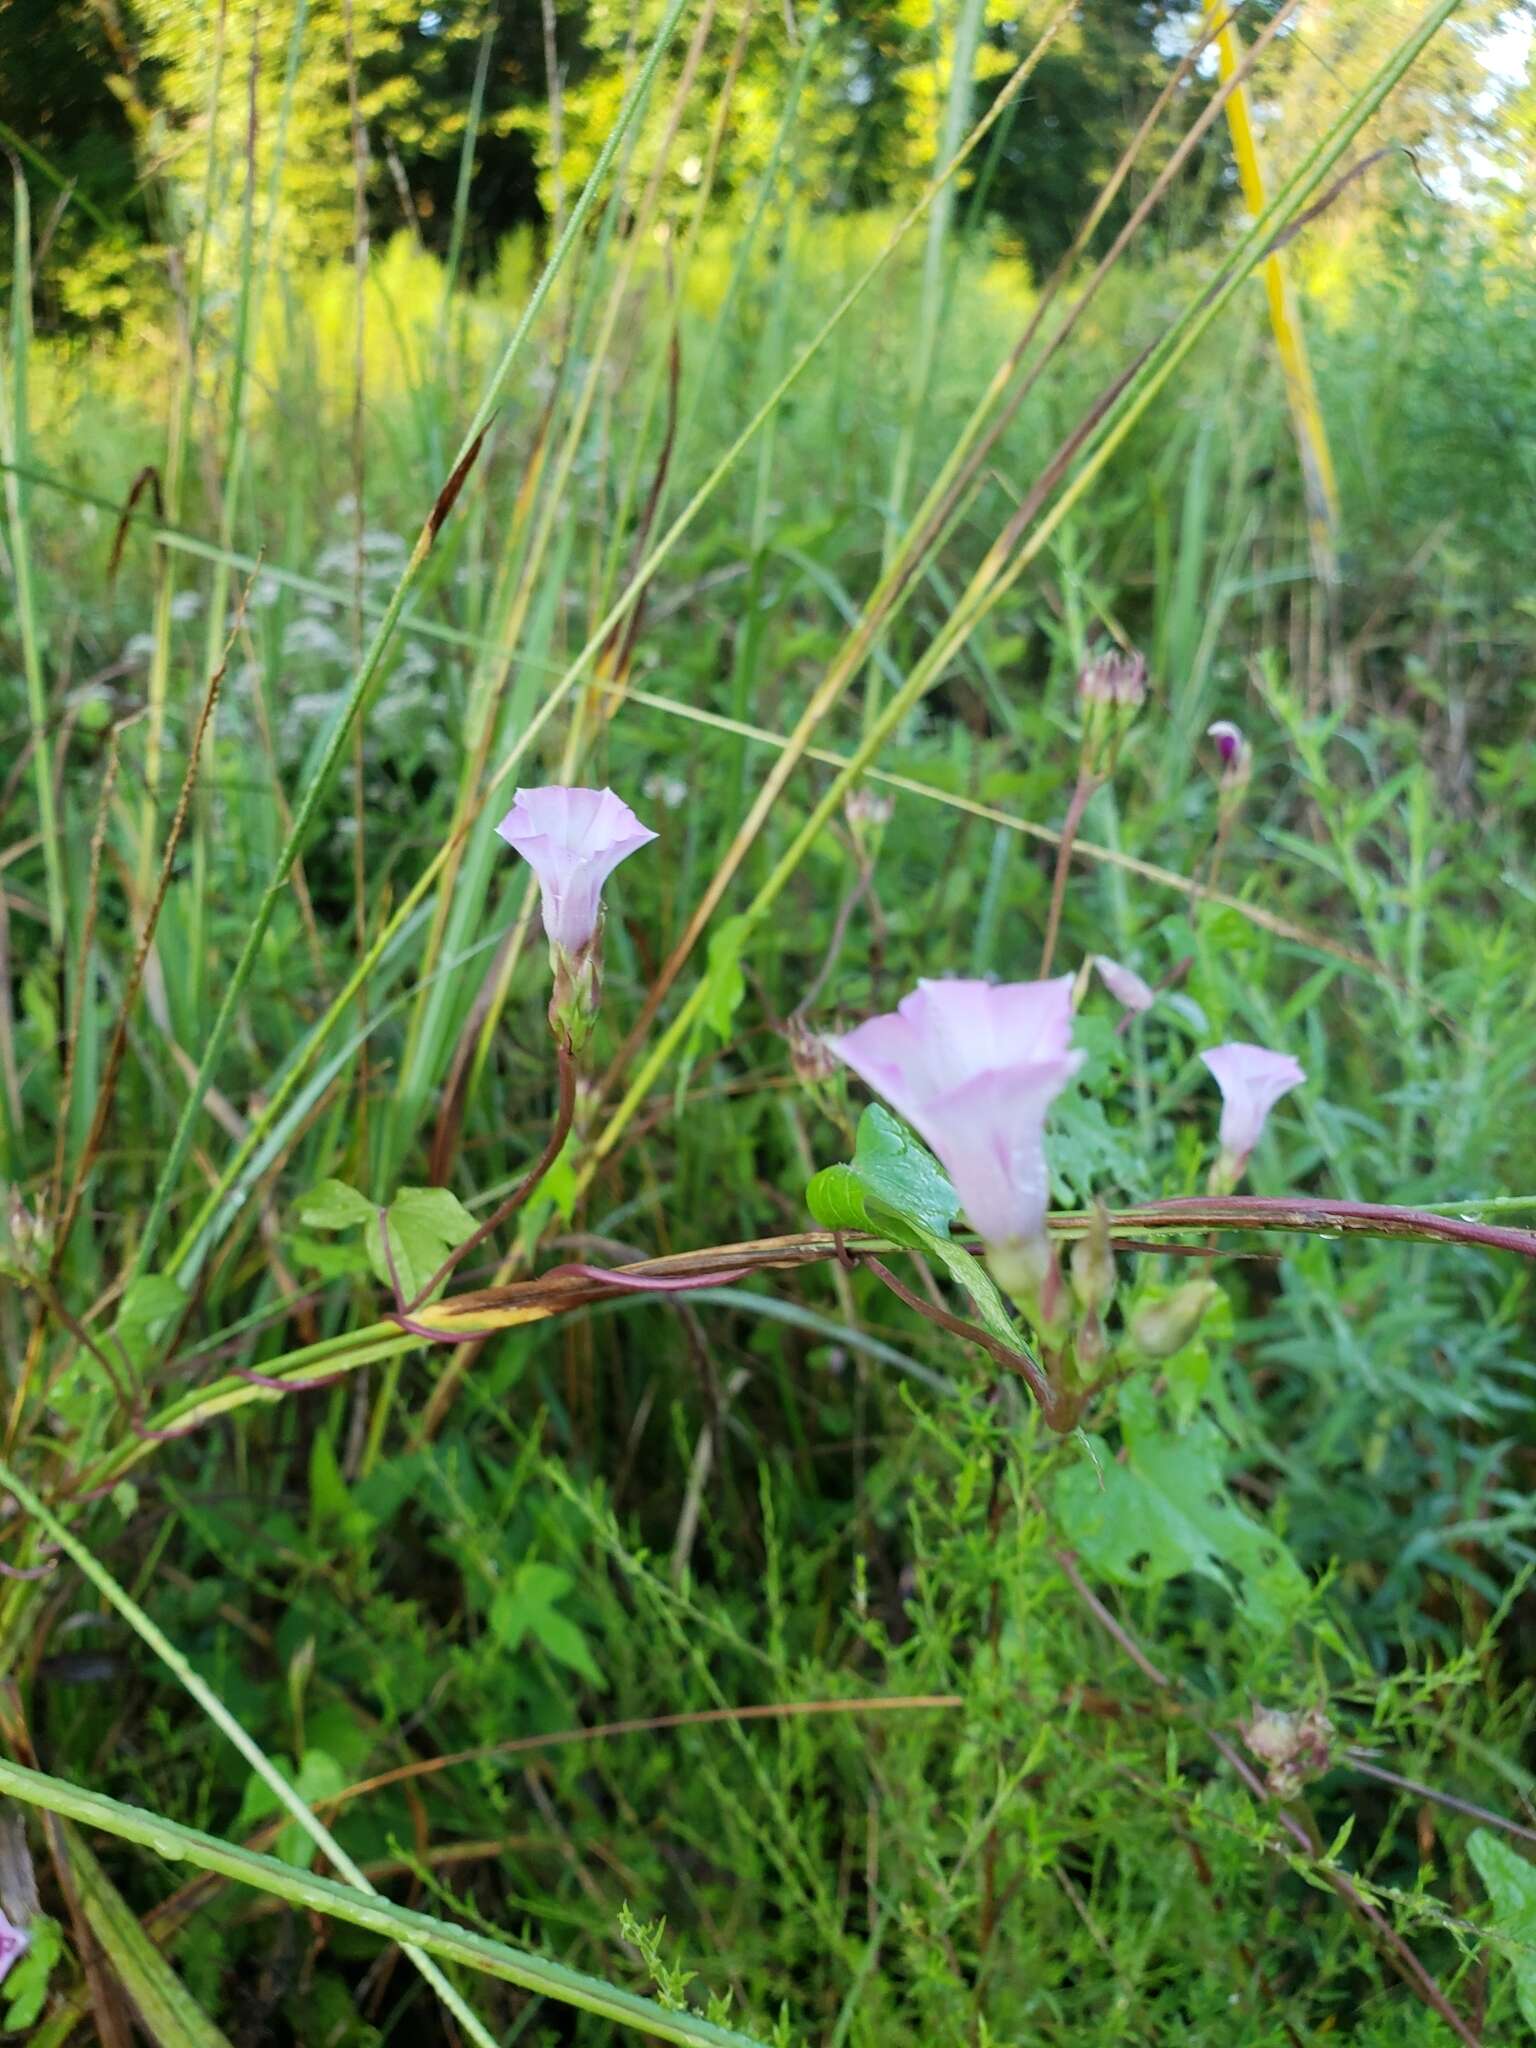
<point x="324" y="773"/>
<point x="170" y="2014"/>
<point x="308" y="1893"/>
<point x="151" y="1634"/>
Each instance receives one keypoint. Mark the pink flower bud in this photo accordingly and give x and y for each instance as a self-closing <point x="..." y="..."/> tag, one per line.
<point x="1124" y="984"/>
<point x="974" y="1067"/>
<point x="1252" y="1080"/>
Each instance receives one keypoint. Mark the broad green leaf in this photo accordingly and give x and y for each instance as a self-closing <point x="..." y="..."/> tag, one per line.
<point x="333" y="1206"/>
<point x="1511" y="1884"/>
<point x="901" y="1174"/>
<point x="425" y="1225"/>
<point x="898" y="1190"/>
<point x="148" y="1306"/>
<point x="1166" y="1511"/>
<point x="895" y="1187"/>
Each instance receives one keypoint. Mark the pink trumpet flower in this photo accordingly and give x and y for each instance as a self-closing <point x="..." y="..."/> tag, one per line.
<point x="573" y="839"/>
<point x="974" y="1067"/>
<point x="1252" y="1080"/>
<point x="14" y="1943"/>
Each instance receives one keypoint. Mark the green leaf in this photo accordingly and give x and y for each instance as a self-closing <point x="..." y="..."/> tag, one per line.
<point x="148" y="1306"/>
<point x="320" y="1777"/>
<point x="566" y="1644"/>
<point x="425" y="1225"/>
<point x="331" y="1505"/>
<point x="724" y="982"/>
<point x="1511" y="1884"/>
<point x="1166" y="1510"/>
<point x="835" y="1198"/>
<point x="333" y="1206"/>
<point x="901" y="1174"/>
<point x="530" y="1594"/>
<point x="26" y="1988"/>
<point x="895" y="1187"/>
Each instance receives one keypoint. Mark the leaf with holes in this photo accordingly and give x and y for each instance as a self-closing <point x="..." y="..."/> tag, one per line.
<point x="1166" y="1511"/>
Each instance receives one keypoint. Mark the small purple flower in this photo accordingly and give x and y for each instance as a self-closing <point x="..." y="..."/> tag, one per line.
<point x="573" y="839"/>
<point x="973" y="1067"/>
<point x="1252" y="1080"/>
<point x="14" y="1943"/>
<point x="1124" y="984"/>
<point x="1230" y="744"/>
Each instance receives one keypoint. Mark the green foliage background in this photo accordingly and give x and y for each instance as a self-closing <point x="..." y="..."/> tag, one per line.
<point x="422" y="1586"/>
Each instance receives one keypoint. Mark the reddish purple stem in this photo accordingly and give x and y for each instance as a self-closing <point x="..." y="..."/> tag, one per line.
<point x="17" y="1571"/>
<point x="649" y="1283"/>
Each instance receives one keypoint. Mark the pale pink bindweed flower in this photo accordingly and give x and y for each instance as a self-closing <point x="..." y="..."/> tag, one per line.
<point x="1124" y="984"/>
<point x="974" y="1066"/>
<point x="573" y="839"/>
<point x="1252" y="1080"/>
<point x="14" y="1943"/>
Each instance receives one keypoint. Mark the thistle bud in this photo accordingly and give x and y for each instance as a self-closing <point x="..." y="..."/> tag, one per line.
<point x="1116" y="676"/>
<point x="26" y="1242"/>
<point x="811" y="1057"/>
<point x="1293" y="1747"/>
<point x="1158" y="1329"/>
<point x="865" y="807"/>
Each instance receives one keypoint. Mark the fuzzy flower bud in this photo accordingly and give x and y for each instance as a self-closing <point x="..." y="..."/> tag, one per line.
<point x="1159" y="1329"/>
